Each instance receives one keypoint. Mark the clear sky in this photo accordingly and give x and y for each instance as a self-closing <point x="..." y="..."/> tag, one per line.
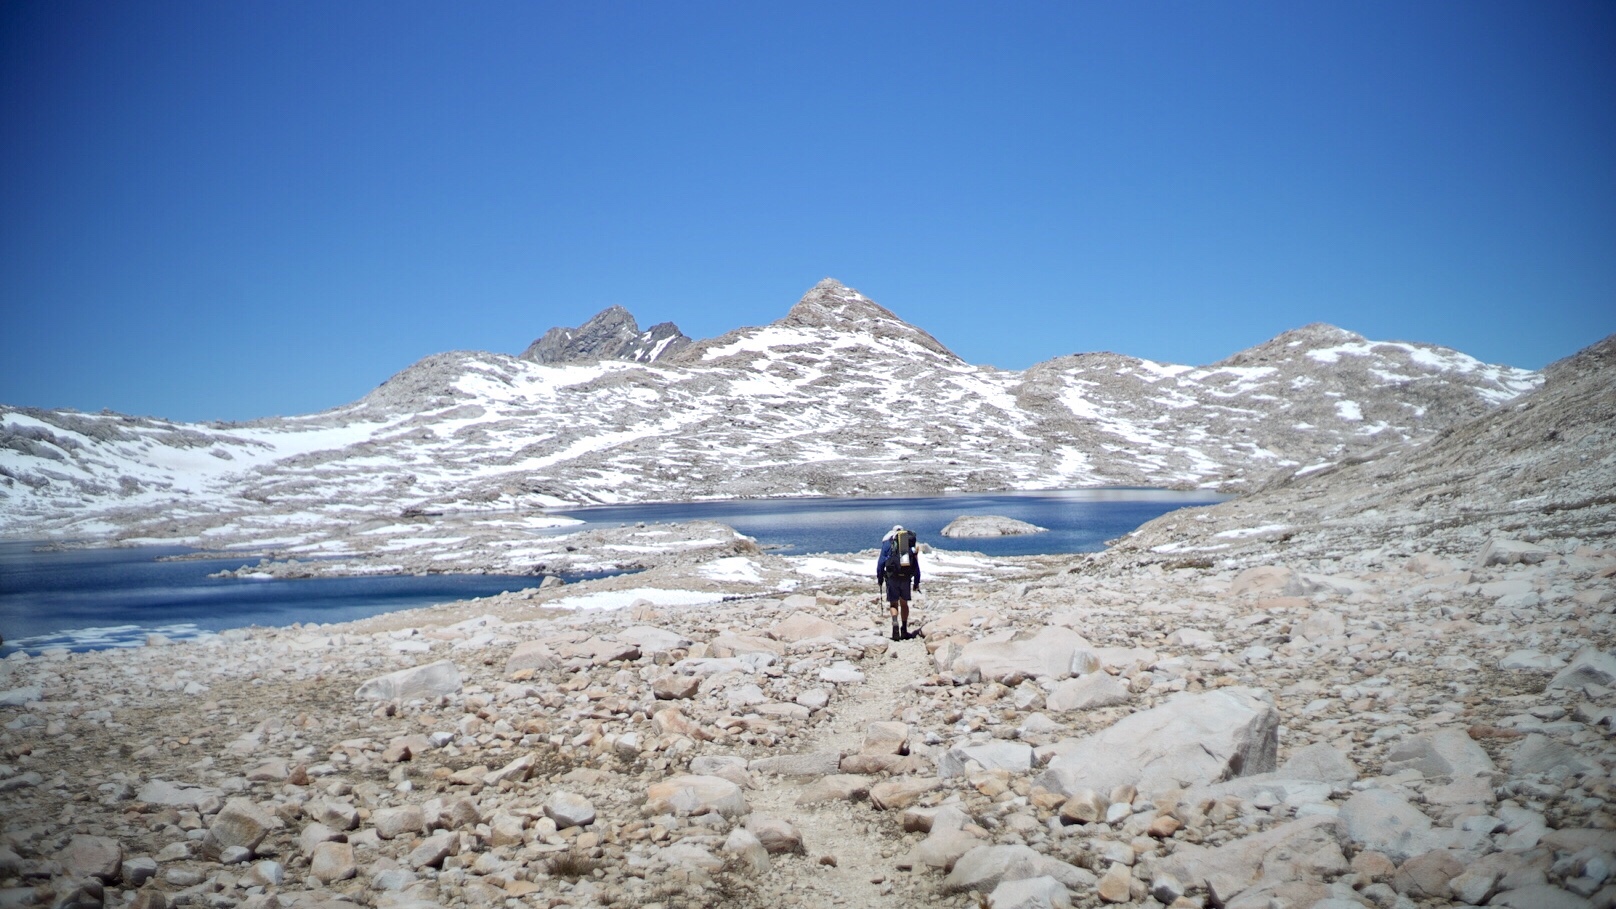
<point x="225" y="210"/>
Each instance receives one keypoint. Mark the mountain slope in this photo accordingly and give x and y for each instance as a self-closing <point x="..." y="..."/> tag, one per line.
<point x="839" y="397"/>
<point x="1542" y="465"/>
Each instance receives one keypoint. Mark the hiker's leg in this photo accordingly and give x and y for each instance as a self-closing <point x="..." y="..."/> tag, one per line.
<point x="904" y="605"/>
<point x="892" y="608"/>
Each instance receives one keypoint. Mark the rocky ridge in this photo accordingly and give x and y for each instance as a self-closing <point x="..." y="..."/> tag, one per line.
<point x="611" y="335"/>
<point x="803" y="406"/>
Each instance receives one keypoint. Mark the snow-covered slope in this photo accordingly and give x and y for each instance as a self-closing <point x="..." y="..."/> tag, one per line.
<point x="839" y="397"/>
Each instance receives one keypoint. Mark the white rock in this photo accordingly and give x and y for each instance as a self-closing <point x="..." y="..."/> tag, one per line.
<point x="749" y="849"/>
<point x="569" y="810"/>
<point x="430" y="681"/>
<point x="1042" y="892"/>
<point x="1590" y="666"/>
<point x="985" y="867"/>
<point x="1016" y="757"/>
<point x="1091" y="691"/>
<point x="1053" y="652"/>
<point x="690" y="794"/>
<point x="1192" y="739"/>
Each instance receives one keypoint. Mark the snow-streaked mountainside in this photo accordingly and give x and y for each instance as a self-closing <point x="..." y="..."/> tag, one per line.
<point x="840" y="397"/>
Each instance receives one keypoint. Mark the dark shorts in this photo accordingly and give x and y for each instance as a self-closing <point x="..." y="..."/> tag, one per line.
<point x="897" y="588"/>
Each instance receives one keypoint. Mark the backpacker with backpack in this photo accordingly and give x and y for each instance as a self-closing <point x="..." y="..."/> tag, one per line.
<point x="902" y="560"/>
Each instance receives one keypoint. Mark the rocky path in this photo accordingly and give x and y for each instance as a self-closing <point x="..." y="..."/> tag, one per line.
<point x="857" y="836"/>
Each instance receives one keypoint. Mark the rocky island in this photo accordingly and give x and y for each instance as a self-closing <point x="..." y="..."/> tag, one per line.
<point x="968" y="526"/>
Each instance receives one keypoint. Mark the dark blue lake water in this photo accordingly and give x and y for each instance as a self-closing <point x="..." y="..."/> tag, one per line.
<point x="85" y="599"/>
<point x="1079" y="520"/>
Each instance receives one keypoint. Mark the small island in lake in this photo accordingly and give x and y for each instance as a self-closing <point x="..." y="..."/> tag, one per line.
<point x="990" y="526"/>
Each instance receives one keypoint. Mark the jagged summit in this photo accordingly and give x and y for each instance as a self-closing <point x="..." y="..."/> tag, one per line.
<point x="830" y="304"/>
<point x="611" y="335"/>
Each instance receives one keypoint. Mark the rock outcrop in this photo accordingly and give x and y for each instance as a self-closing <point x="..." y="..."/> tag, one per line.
<point x="611" y="335"/>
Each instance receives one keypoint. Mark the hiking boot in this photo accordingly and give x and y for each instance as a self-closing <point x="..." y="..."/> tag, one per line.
<point x="895" y="633"/>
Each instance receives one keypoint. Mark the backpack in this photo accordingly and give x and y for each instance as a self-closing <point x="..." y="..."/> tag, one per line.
<point x="901" y="562"/>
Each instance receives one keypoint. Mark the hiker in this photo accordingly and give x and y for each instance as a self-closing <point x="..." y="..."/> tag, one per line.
<point x="899" y="568"/>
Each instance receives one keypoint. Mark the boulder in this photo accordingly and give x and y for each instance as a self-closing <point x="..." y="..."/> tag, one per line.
<point x="653" y="640"/>
<point x="599" y="651"/>
<point x="1085" y="806"/>
<point x="735" y="644"/>
<point x="690" y="855"/>
<point x="1301" y="849"/>
<point x="1539" y="754"/>
<point x="332" y="862"/>
<point x="1591" y="666"/>
<point x="803" y="627"/>
<point x="1052" y="652"/>
<point x="1192" y="739"/>
<point x="748" y="849"/>
<point x="983" y="868"/>
<point x="516" y="771"/>
<point x="1030" y="893"/>
<point x="316" y="833"/>
<point x="962" y="620"/>
<point x="532" y="655"/>
<point x="433" y="680"/>
<point x="886" y="738"/>
<point x="241" y="823"/>
<point x="1116" y="884"/>
<point x="724" y="766"/>
<point x="1015" y="757"/>
<point x="675" y="687"/>
<point x="1319" y="762"/>
<point x="838" y="787"/>
<point x="1539" y="896"/>
<point x="178" y="795"/>
<point x="777" y="835"/>
<point x="569" y="810"/>
<point x="1383" y="821"/>
<point x="392" y="823"/>
<point x="1426" y="876"/>
<point x="1091" y="691"/>
<point x="100" y="857"/>
<point x="1268" y="581"/>
<point x="1530" y="661"/>
<point x="817" y="763"/>
<point x="940" y="849"/>
<point x="841" y="672"/>
<point x="431" y="851"/>
<point x="688" y="794"/>
<point x="1448" y="754"/>
<point x="897" y="794"/>
<point x="1504" y="551"/>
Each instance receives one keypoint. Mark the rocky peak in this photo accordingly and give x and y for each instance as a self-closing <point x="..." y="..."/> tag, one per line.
<point x="1293" y="344"/>
<point x="832" y="304"/>
<point x="611" y="335"/>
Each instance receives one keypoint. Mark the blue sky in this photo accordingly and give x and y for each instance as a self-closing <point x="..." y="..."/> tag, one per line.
<point x="232" y="210"/>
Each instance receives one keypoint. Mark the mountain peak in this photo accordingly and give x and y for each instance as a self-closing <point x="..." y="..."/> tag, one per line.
<point x="612" y="334"/>
<point x="832" y="304"/>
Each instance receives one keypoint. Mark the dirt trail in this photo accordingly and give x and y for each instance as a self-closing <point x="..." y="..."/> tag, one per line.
<point x="856" y="834"/>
